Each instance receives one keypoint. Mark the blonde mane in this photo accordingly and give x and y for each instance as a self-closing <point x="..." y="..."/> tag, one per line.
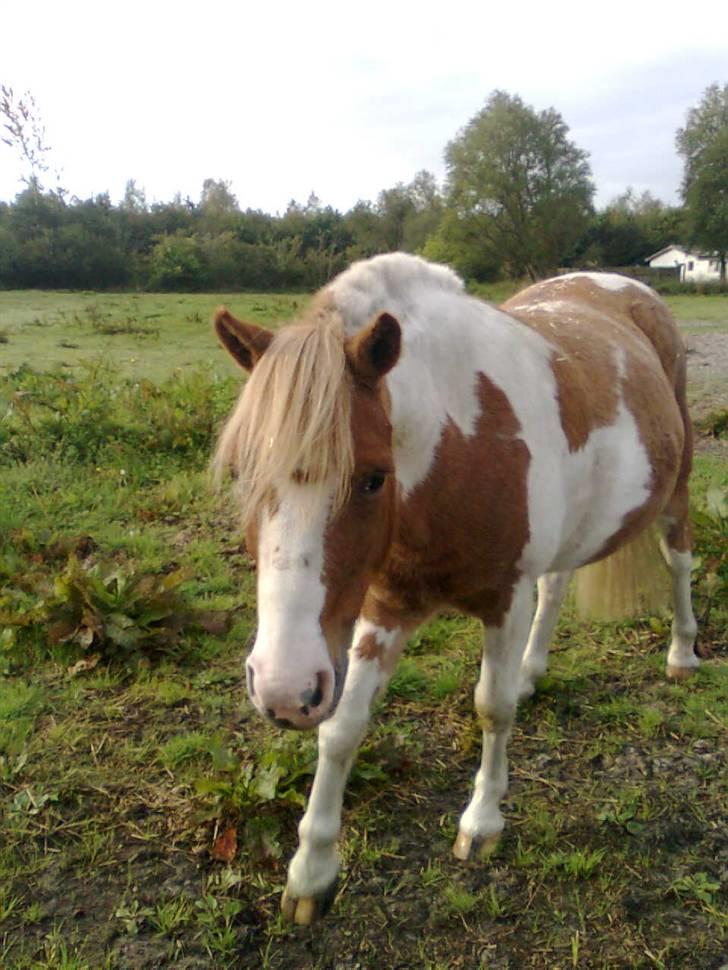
<point x="293" y="417"/>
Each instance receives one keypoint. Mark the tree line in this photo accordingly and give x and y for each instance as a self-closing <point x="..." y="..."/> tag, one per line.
<point x="517" y="201"/>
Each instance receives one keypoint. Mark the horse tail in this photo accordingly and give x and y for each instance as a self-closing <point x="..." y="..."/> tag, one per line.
<point x="632" y="580"/>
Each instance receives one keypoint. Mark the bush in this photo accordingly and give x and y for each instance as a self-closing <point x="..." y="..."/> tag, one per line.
<point x="95" y="417"/>
<point x="673" y="287"/>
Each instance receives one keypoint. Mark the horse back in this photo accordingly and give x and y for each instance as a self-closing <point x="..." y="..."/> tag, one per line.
<point x="604" y="309"/>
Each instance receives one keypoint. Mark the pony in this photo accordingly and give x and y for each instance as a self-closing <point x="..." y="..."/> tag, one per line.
<point x="406" y="447"/>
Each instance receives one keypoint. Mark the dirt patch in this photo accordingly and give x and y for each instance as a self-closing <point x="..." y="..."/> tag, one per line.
<point x="707" y="358"/>
<point x="707" y="385"/>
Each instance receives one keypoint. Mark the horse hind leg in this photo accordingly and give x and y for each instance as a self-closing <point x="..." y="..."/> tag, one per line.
<point x="676" y="547"/>
<point x="551" y="591"/>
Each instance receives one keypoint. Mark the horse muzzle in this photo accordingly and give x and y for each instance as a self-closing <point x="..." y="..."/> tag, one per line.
<point x="293" y="698"/>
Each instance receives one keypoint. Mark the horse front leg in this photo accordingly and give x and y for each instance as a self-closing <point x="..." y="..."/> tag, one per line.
<point x="496" y="696"/>
<point x="313" y="871"/>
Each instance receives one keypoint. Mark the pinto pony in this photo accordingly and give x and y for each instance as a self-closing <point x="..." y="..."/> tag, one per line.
<point x="406" y="448"/>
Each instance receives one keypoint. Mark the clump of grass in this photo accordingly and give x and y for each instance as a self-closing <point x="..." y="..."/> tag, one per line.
<point x="710" y="523"/>
<point x="409" y="681"/>
<point x="714" y="424"/>
<point x="103" y="611"/>
<point x="575" y="864"/>
<point x="95" y="418"/>
<point x="108" y="325"/>
<point x="19" y="704"/>
<point x="184" y="748"/>
<point x="459" y="901"/>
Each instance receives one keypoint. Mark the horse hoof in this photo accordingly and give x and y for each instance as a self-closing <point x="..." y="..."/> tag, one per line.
<point x="474" y="847"/>
<point x="680" y="673"/>
<point x="526" y="689"/>
<point x="306" y="910"/>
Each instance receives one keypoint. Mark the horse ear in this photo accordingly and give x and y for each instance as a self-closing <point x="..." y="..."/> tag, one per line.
<point x="245" y="342"/>
<point x="375" y="350"/>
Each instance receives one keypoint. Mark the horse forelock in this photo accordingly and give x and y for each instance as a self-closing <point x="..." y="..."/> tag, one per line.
<point x="293" y="418"/>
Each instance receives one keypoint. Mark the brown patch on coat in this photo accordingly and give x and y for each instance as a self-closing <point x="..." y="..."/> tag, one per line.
<point x="582" y="360"/>
<point x="357" y="541"/>
<point x="370" y="648"/>
<point x="458" y="541"/>
<point x="588" y="324"/>
<point x="452" y="542"/>
<point x="656" y="323"/>
<point x="587" y="383"/>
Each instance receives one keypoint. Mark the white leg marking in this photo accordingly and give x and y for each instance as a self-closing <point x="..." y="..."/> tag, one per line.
<point x="681" y="656"/>
<point x="495" y="701"/>
<point x="315" y="865"/>
<point x="551" y="590"/>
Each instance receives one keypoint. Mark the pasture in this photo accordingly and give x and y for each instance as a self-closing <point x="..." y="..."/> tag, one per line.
<point x="148" y="814"/>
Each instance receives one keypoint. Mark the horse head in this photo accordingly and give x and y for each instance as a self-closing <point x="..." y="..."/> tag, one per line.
<point x="310" y="443"/>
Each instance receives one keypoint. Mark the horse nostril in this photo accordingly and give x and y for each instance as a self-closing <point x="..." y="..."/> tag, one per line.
<point x="313" y="696"/>
<point x="318" y="694"/>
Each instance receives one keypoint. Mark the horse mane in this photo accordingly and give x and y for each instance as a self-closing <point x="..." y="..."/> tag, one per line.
<point x="293" y="417"/>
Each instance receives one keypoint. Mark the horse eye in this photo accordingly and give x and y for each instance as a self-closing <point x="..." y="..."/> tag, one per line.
<point x="373" y="483"/>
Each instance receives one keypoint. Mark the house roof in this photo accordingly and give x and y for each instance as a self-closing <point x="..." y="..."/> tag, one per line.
<point x="666" y="249"/>
<point x="693" y="253"/>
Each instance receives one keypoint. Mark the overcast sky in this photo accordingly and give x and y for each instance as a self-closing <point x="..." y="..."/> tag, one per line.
<point x="286" y="98"/>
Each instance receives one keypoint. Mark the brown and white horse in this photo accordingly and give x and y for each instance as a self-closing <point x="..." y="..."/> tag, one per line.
<point x="407" y="447"/>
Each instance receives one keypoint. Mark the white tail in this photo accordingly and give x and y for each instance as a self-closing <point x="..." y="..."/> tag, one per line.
<point x="630" y="581"/>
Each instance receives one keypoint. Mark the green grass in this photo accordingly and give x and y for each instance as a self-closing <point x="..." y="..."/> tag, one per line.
<point x="147" y="814"/>
<point x="704" y="313"/>
<point x="149" y="335"/>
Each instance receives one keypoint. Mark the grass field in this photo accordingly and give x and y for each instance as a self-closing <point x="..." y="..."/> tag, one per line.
<point x="147" y="815"/>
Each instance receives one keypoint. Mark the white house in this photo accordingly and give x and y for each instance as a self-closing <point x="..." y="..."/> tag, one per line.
<point x="689" y="266"/>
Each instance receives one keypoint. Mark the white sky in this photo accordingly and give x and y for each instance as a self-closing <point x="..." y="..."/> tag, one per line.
<point x="284" y="98"/>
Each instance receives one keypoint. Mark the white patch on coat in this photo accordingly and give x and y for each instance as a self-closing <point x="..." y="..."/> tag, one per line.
<point x="610" y="281"/>
<point x="384" y="637"/>
<point x="606" y="478"/>
<point x="372" y="286"/>
<point x="290" y="649"/>
<point x="388" y="640"/>
<point x="549" y="306"/>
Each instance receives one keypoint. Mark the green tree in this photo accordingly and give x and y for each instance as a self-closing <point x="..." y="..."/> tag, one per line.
<point x="175" y="263"/>
<point x="628" y="230"/>
<point x="703" y="144"/>
<point x="427" y="211"/>
<point x="22" y="130"/>
<point x="135" y="198"/>
<point x="363" y="226"/>
<point x="458" y="243"/>
<point x="522" y="186"/>
<point x="218" y="208"/>
<point x="395" y="208"/>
